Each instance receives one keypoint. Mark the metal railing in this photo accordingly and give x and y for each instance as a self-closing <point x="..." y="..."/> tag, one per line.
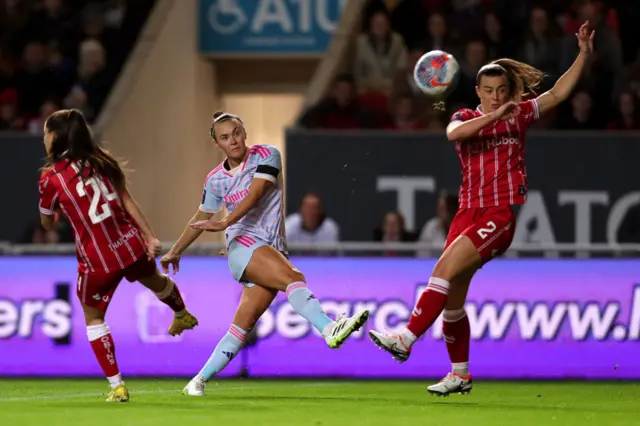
<point x="555" y="250"/>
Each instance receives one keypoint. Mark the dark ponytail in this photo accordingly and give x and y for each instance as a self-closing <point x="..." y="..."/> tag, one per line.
<point x="74" y="142"/>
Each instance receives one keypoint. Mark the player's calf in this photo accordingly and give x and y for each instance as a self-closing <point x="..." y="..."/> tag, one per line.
<point x="168" y="293"/>
<point x="104" y="349"/>
<point x="226" y="349"/>
<point x="170" y="296"/>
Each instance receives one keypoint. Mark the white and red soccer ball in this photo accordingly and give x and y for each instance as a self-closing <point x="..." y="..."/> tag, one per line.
<point x="436" y="73"/>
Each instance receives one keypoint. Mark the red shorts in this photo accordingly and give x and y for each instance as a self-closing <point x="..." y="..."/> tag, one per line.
<point x="96" y="290"/>
<point x="490" y="229"/>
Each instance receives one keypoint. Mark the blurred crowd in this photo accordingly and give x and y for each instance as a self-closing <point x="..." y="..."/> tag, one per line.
<point x="312" y="226"/>
<point x="62" y="53"/>
<point x="378" y="91"/>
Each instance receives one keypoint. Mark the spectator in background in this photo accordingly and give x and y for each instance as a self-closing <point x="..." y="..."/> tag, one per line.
<point x="76" y="99"/>
<point x="393" y="230"/>
<point x="475" y="57"/>
<point x="341" y="110"/>
<point x="94" y="28"/>
<point x="405" y="85"/>
<point x="404" y="115"/>
<point x="34" y="81"/>
<point x="540" y="47"/>
<point x="627" y="116"/>
<point x="36" y="234"/>
<point x="7" y="67"/>
<point x="9" y="119"/>
<point x="380" y="53"/>
<point x="436" y="229"/>
<point x="94" y="76"/>
<point x="606" y="59"/>
<point x="62" y="68"/>
<point x="494" y="40"/>
<point x="54" y="23"/>
<point x="311" y="224"/>
<point x="438" y="37"/>
<point x="629" y="79"/>
<point x="36" y="125"/>
<point x="580" y="117"/>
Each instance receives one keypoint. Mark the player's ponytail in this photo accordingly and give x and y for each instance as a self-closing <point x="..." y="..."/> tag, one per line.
<point x="74" y="142"/>
<point x="523" y="79"/>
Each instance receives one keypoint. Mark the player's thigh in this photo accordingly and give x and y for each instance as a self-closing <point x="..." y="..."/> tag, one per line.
<point x="491" y="232"/>
<point x="254" y="301"/>
<point x="458" y="259"/>
<point x="262" y="265"/>
<point x="96" y="290"/>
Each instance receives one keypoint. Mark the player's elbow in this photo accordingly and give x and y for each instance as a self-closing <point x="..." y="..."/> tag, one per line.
<point x="453" y="132"/>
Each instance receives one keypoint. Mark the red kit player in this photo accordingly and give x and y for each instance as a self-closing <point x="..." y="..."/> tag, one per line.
<point x="490" y="142"/>
<point x="113" y="239"/>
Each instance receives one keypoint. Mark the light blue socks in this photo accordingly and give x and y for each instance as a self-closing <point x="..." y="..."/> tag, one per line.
<point x="224" y="352"/>
<point x="306" y="304"/>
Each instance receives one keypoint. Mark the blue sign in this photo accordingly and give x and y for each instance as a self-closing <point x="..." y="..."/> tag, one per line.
<point x="267" y="27"/>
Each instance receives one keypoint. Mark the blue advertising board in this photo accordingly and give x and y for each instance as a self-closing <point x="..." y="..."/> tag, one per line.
<point x="267" y="27"/>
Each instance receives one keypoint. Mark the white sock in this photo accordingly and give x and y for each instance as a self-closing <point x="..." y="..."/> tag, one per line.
<point x="460" y="368"/>
<point x="408" y="337"/>
<point x="327" y="329"/>
<point x="115" y="381"/>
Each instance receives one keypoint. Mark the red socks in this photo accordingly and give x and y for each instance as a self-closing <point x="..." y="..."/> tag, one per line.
<point x="171" y="297"/>
<point x="429" y="306"/>
<point x="105" y="351"/>
<point x="457" y="335"/>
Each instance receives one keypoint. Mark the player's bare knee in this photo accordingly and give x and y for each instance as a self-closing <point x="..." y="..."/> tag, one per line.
<point x="93" y="316"/>
<point x="445" y="270"/>
<point x="296" y="276"/>
<point x="288" y="275"/>
<point x="94" y="321"/>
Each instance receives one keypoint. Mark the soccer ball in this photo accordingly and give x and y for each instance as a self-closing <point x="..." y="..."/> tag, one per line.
<point x="436" y="73"/>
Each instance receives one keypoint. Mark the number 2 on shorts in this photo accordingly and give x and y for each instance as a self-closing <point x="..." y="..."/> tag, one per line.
<point x="484" y="232"/>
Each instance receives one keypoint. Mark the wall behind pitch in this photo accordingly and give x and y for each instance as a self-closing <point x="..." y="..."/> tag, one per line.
<point x="158" y="118"/>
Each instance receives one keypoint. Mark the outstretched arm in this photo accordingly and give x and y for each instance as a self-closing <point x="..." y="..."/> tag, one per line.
<point x="189" y="235"/>
<point x="567" y="82"/>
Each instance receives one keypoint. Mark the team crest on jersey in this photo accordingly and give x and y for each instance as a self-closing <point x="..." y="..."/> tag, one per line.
<point x="522" y="190"/>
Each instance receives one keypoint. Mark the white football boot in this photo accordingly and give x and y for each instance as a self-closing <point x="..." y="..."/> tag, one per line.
<point x="452" y="383"/>
<point x="391" y="343"/>
<point x="344" y="327"/>
<point x="195" y="387"/>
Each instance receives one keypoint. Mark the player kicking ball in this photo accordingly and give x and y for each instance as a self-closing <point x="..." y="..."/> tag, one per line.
<point x="248" y="184"/>
<point x="490" y="142"/>
<point x="113" y="239"/>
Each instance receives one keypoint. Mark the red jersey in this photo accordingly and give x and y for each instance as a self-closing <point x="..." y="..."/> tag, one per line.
<point x="493" y="169"/>
<point x="107" y="238"/>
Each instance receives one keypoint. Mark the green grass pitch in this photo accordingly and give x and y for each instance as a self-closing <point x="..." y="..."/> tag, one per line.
<point x="318" y="403"/>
